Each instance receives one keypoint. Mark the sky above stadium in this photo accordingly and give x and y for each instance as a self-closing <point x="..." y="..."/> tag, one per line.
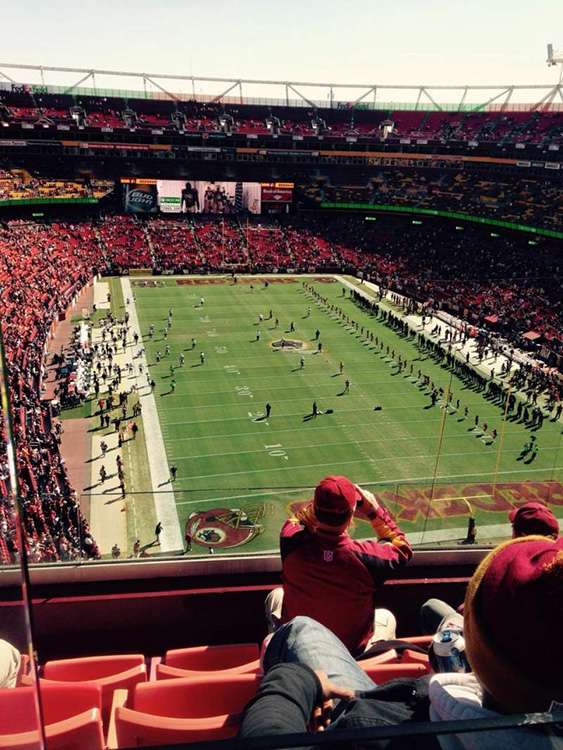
<point x="344" y="41"/>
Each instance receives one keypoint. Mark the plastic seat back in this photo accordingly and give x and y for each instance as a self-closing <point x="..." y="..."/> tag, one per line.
<point x="81" y="732"/>
<point x="138" y="729"/>
<point x="18" y="711"/>
<point x="72" y="719"/>
<point x="91" y="667"/>
<point x="165" y="672"/>
<point x="109" y="672"/>
<point x="195" y="698"/>
<point x="63" y="700"/>
<point x="184" y="710"/>
<point x="415" y="656"/>
<point x="381" y="673"/>
<point x="211" y="658"/>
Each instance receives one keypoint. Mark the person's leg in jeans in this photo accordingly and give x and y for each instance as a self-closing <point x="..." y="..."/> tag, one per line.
<point x="305" y="641"/>
<point x="432" y="613"/>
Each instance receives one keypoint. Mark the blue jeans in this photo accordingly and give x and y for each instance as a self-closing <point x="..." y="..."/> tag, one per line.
<point x="305" y="641"/>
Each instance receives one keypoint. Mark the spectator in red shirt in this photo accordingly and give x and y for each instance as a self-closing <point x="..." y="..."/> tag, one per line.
<point x="331" y="577"/>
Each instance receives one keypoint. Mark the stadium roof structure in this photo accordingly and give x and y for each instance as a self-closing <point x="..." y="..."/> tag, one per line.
<point x="233" y="90"/>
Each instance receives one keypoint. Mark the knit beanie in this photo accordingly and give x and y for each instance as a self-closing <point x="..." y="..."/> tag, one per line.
<point x="513" y="624"/>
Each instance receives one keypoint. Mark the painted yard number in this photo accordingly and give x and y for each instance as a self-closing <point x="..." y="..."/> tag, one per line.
<point x="244" y="390"/>
<point x="231" y="369"/>
<point x="277" y="450"/>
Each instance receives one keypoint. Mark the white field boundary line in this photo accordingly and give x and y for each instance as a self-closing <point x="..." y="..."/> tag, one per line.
<point x="165" y="504"/>
<point x="309" y="430"/>
<point x="228" y="402"/>
<point x="310" y="490"/>
<point x="363" y="460"/>
<point x="330" y="387"/>
<point x="351" y="441"/>
<point x="286" y="415"/>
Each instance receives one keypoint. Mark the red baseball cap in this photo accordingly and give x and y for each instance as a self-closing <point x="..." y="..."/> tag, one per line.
<point x="336" y="495"/>
<point x="533" y="518"/>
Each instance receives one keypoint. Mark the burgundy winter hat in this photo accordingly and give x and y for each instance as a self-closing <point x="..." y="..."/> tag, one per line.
<point x="513" y="623"/>
<point x="533" y="518"/>
<point x="335" y="496"/>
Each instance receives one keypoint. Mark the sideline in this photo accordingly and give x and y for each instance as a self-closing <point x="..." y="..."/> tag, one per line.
<point x="470" y="347"/>
<point x="171" y="539"/>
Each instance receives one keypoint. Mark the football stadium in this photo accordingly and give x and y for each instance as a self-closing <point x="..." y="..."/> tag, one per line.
<point x="282" y="412"/>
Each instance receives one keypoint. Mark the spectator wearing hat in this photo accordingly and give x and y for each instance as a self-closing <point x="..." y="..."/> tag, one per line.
<point x="513" y="614"/>
<point x="533" y="518"/>
<point x="512" y="621"/>
<point x="332" y="578"/>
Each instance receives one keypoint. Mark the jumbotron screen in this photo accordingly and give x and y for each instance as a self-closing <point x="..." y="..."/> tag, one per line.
<point x="149" y="196"/>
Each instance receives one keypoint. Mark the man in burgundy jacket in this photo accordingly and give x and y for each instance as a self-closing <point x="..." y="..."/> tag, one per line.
<point x="329" y="576"/>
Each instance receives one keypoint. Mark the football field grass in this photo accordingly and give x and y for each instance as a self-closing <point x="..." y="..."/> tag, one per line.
<point x="239" y="473"/>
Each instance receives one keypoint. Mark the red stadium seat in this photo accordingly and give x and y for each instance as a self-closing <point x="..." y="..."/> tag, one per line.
<point x="419" y="640"/>
<point x="228" y="659"/>
<point x="72" y="716"/>
<point x="184" y="710"/>
<point x="164" y="672"/>
<point x="81" y="732"/>
<point x="108" y="672"/>
<point x="381" y="673"/>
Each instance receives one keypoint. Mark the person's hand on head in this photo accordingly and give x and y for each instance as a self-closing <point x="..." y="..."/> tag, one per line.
<point x="368" y="506"/>
<point x="321" y="716"/>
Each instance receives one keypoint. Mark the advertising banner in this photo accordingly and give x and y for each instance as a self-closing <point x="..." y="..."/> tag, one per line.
<point x="276" y="194"/>
<point x="140" y="199"/>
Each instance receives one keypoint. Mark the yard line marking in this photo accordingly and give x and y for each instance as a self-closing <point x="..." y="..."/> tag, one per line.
<point x="351" y="441"/>
<point x="165" y="504"/>
<point x="292" y="429"/>
<point x="355" y="461"/>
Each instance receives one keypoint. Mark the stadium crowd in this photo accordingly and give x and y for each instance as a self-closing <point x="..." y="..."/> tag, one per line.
<point x="532" y="200"/>
<point x="41" y="268"/>
<point x="493" y="126"/>
<point x="494" y="282"/>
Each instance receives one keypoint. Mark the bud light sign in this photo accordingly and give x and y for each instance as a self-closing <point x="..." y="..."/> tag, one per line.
<point x="140" y="199"/>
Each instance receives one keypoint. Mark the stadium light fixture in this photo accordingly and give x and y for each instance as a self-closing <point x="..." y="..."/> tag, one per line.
<point x="555" y="57"/>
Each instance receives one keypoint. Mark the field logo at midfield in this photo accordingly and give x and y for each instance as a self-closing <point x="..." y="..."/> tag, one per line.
<point x="413" y="503"/>
<point x="227" y="527"/>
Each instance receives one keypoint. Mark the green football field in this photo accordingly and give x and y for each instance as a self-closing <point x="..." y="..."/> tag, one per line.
<point x="239" y="473"/>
